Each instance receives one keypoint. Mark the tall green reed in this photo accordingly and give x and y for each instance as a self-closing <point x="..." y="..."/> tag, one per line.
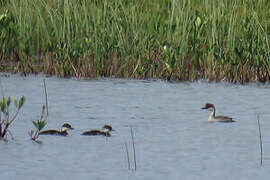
<point x="182" y="40"/>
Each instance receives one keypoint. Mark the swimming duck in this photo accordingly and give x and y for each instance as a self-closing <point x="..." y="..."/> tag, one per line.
<point x="109" y="127"/>
<point x="213" y="117"/>
<point x="63" y="132"/>
<point x="67" y="125"/>
<point x="105" y="131"/>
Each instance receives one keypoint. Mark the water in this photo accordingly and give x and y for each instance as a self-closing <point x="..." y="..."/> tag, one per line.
<point x="172" y="137"/>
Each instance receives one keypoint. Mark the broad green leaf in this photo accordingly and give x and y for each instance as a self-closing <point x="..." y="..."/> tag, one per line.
<point x="21" y="102"/>
<point x="3" y="105"/>
<point x="41" y="124"/>
<point x="16" y="103"/>
<point x="35" y="124"/>
<point x="3" y="99"/>
<point x="8" y="101"/>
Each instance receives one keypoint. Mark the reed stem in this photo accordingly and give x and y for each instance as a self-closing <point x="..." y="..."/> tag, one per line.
<point x="133" y="145"/>
<point x="127" y="155"/>
<point x="260" y="135"/>
<point x="46" y="96"/>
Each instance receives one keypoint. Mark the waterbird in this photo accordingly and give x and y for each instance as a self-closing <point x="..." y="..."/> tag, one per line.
<point x="213" y="117"/>
<point x="63" y="132"/>
<point x="105" y="131"/>
<point x="109" y="127"/>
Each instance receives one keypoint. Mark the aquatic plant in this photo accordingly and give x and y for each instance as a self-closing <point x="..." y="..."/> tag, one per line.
<point x="215" y="40"/>
<point x="39" y="125"/>
<point x="6" y="119"/>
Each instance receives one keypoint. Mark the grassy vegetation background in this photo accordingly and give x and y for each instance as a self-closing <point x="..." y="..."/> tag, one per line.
<point x="169" y="39"/>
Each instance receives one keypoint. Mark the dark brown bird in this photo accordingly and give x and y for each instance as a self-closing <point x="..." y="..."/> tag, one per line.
<point x="105" y="131"/>
<point x="63" y="132"/>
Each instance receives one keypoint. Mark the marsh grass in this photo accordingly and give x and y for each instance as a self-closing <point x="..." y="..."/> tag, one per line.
<point x="174" y="40"/>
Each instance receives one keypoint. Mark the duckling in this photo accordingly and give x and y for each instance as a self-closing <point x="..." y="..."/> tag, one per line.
<point x="105" y="131"/>
<point x="213" y="117"/>
<point x="109" y="127"/>
<point x="67" y="125"/>
<point x="62" y="132"/>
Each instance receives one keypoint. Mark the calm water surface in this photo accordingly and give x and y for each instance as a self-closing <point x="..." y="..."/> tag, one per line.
<point x="172" y="137"/>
